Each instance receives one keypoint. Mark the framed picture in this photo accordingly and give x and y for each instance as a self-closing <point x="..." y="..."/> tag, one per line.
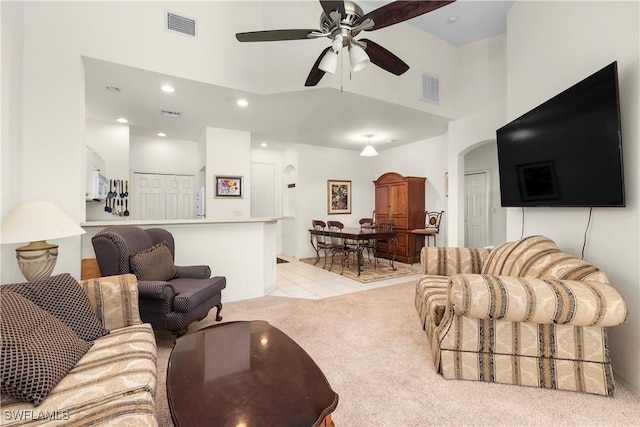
<point x="229" y="186"/>
<point x="338" y="197"/>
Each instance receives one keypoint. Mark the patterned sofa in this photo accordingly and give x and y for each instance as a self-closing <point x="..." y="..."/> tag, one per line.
<point x="523" y="313"/>
<point x="114" y="382"/>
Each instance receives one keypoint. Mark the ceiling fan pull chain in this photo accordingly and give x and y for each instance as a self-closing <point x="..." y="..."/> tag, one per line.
<point x="341" y="71"/>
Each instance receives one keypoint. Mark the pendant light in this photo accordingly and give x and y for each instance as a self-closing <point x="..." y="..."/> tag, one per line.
<point x="369" y="150"/>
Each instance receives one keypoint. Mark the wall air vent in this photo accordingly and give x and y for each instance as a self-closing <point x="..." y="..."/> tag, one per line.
<point x="430" y="88"/>
<point x="169" y="113"/>
<point x="180" y="24"/>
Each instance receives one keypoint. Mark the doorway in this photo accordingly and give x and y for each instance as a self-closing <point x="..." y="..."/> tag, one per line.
<point x="263" y="201"/>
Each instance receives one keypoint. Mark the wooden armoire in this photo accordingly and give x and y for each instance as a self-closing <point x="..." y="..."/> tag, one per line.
<point x="401" y="199"/>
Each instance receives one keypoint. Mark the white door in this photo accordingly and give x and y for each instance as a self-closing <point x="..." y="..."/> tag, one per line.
<point x="263" y="184"/>
<point x="147" y="199"/>
<point x="159" y="196"/>
<point x="180" y="196"/>
<point x="476" y="218"/>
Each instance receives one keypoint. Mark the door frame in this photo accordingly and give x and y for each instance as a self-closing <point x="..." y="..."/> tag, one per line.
<point x="487" y="211"/>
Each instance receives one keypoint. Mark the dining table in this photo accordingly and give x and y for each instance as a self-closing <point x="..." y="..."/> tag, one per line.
<point x="359" y="239"/>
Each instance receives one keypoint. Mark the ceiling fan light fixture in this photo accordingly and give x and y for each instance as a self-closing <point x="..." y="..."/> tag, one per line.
<point x="329" y="62"/>
<point x="337" y="43"/>
<point x="358" y="57"/>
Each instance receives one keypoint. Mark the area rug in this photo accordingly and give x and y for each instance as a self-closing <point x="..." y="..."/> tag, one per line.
<point x="375" y="355"/>
<point x="369" y="273"/>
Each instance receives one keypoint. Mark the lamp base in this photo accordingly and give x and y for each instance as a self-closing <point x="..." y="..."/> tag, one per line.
<point x="37" y="259"/>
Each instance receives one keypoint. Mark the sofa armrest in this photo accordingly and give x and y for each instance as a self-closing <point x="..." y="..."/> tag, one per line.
<point x="114" y="299"/>
<point x="194" y="272"/>
<point x="449" y="261"/>
<point x="528" y="299"/>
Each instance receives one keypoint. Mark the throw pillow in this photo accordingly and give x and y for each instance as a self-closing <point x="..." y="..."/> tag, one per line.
<point x="37" y="351"/>
<point x="63" y="297"/>
<point x="155" y="263"/>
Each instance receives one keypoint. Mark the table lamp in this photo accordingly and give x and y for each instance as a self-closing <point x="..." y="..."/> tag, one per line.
<point x="36" y="222"/>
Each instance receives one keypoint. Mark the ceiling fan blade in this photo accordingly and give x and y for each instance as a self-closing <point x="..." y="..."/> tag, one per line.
<point x="385" y="59"/>
<point x="400" y="11"/>
<point x="329" y="6"/>
<point x="274" y="35"/>
<point x="316" y="74"/>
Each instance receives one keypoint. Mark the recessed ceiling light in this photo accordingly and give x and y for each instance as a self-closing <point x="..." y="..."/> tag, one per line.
<point x="167" y="88"/>
<point x="162" y="134"/>
<point x="264" y="144"/>
<point x="452" y="19"/>
<point x="113" y="88"/>
<point x="242" y="102"/>
<point x="122" y="120"/>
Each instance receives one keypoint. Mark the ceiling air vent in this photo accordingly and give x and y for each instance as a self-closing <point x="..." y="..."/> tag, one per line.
<point x="169" y="113"/>
<point x="181" y="24"/>
<point x="430" y="88"/>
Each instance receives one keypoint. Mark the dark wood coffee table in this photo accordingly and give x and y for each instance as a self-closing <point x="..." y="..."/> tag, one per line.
<point x="246" y="374"/>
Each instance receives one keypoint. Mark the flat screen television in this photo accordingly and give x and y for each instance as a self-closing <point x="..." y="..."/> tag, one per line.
<point x="568" y="150"/>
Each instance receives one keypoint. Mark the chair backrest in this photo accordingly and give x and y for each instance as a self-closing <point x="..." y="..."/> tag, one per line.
<point x="320" y="227"/>
<point x="385" y="225"/>
<point x="366" y="223"/>
<point x="336" y="227"/>
<point x="432" y="220"/>
<point x="114" y="245"/>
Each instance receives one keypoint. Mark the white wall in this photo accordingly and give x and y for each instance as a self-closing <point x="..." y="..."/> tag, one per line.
<point x="228" y="154"/>
<point x="163" y="155"/>
<point x="11" y="124"/>
<point x="551" y="46"/>
<point x="316" y="166"/>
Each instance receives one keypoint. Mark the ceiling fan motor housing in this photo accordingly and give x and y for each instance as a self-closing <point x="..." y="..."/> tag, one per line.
<point x="353" y="13"/>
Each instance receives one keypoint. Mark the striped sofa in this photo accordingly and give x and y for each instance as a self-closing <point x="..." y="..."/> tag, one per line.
<point x="523" y="313"/>
<point x="114" y="383"/>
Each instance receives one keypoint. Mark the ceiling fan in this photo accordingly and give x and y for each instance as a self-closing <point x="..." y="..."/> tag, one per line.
<point x="341" y="21"/>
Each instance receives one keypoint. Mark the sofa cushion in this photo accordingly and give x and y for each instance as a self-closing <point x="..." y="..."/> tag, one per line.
<point x="115" y="299"/>
<point x="155" y="263"/>
<point x="62" y="296"/>
<point x="37" y="351"/>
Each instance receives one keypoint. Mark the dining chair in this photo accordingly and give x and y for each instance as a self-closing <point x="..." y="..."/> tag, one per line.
<point x="368" y="245"/>
<point x="320" y="240"/>
<point x="430" y="230"/>
<point x="339" y="244"/>
<point x="383" y="225"/>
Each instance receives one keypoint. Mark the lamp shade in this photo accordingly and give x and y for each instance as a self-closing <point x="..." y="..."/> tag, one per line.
<point x="329" y="62"/>
<point x="35" y="221"/>
<point x="358" y="57"/>
<point x="369" y="151"/>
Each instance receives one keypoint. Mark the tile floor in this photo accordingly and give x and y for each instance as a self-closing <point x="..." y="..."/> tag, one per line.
<point x="297" y="279"/>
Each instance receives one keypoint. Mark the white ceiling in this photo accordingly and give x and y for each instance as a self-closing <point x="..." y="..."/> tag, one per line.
<point x="329" y="118"/>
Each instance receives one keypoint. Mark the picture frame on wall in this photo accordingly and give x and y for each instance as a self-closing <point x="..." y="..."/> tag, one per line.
<point x="338" y="197"/>
<point x="228" y="187"/>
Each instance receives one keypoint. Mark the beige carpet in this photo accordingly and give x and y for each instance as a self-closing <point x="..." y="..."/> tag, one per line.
<point x="376" y="357"/>
<point x="368" y="273"/>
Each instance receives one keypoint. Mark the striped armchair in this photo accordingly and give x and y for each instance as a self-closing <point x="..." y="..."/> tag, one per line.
<point x="523" y="313"/>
